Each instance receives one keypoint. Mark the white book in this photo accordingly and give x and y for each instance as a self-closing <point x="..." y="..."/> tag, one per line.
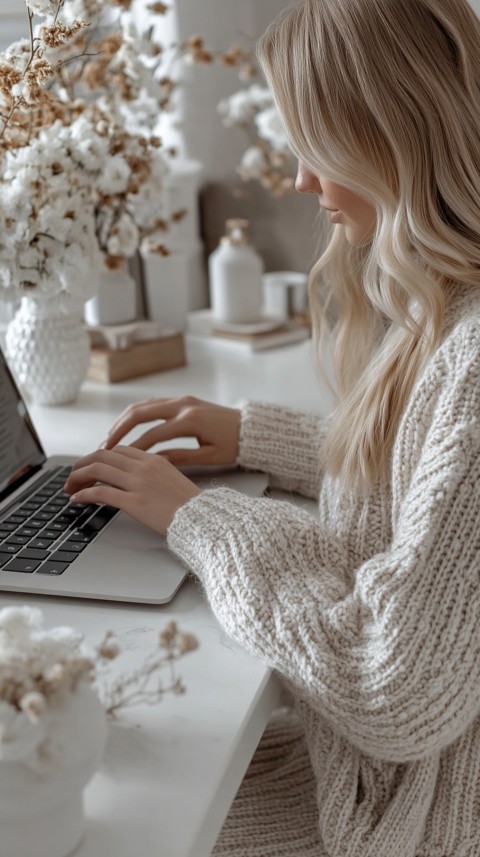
<point x="258" y="336"/>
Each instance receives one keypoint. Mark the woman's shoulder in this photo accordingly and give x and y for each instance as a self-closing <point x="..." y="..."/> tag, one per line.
<point x="450" y="380"/>
<point x="460" y="344"/>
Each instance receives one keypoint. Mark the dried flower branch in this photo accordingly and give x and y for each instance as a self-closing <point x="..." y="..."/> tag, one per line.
<point x="268" y="158"/>
<point x="137" y="687"/>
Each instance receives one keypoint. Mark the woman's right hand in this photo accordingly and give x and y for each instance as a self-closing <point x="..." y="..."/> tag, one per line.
<point x="214" y="427"/>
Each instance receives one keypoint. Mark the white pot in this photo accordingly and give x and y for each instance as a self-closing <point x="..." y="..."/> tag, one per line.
<point x="285" y="293"/>
<point x="48" y="348"/>
<point x="41" y="804"/>
<point x="115" y="301"/>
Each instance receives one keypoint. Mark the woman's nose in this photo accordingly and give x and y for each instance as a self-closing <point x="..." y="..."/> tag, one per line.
<point x="306" y="181"/>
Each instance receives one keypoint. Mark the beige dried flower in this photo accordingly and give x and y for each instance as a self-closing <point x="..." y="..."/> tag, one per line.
<point x="34" y="704"/>
<point x="248" y="72"/>
<point x="108" y="650"/>
<point x="167" y="635"/>
<point x="195" y="43"/>
<point x="158" y="8"/>
<point x="187" y="643"/>
<point x="60" y="34"/>
<point x="200" y="56"/>
<point x="179" y="215"/>
<point x="233" y="56"/>
<point x="54" y="677"/>
<point x="112" y="263"/>
<point x="9" y="77"/>
<point x="158" y="247"/>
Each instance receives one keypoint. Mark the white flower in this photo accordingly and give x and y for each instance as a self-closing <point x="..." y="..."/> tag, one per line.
<point x="115" y="176"/>
<point x="242" y="106"/>
<point x="34" y="704"/>
<point x="41" y="7"/>
<point x="18" y="622"/>
<point x="124" y="237"/>
<point x="81" y="10"/>
<point x="270" y="128"/>
<point x="142" y="114"/>
<point x="147" y="205"/>
<point x="18" y="54"/>
<point x="253" y="163"/>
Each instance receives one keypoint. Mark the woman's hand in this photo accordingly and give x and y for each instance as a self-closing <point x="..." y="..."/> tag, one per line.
<point x="215" y="428"/>
<point x="145" y="486"/>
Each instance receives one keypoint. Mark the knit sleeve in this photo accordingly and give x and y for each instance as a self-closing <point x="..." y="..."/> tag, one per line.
<point x="388" y="652"/>
<point x="285" y="444"/>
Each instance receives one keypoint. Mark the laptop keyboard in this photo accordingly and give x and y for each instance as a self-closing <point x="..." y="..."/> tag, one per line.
<point x="44" y="533"/>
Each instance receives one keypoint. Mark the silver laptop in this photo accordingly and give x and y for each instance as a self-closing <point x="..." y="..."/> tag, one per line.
<point x="52" y="547"/>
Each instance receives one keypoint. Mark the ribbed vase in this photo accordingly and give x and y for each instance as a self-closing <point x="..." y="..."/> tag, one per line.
<point x="48" y="348"/>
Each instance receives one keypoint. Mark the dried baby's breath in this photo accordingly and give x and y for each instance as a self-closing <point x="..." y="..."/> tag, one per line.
<point x="144" y="685"/>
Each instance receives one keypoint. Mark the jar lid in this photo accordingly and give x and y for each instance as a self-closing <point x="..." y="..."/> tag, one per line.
<point x="237" y="231"/>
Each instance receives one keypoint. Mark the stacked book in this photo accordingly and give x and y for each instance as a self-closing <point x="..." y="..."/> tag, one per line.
<point x="267" y="332"/>
<point x="123" y="351"/>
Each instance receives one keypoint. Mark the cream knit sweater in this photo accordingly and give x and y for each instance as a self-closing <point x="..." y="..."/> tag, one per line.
<point x="370" y="614"/>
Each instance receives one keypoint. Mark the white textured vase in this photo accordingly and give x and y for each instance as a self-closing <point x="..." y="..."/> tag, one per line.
<point x="41" y="803"/>
<point x="48" y="348"/>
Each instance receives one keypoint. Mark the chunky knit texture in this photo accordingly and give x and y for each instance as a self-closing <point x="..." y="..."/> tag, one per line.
<point x="371" y="615"/>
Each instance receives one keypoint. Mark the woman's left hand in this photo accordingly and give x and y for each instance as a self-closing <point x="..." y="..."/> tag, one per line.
<point x="144" y="485"/>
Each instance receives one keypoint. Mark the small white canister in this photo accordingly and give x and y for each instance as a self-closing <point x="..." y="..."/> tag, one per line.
<point x="235" y="274"/>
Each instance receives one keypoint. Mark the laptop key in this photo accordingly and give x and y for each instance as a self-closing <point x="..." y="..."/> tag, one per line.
<point x="33" y="553"/>
<point x="17" y="518"/>
<point x="18" y="564"/>
<point x="50" y="567"/>
<point x="47" y="533"/>
<point x="36" y="523"/>
<point x="40" y="543"/>
<point x="76" y="547"/>
<point x="10" y="549"/>
<point x="101" y="517"/>
<point x="8" y="527"/>
<point x="81" y="536"/>
<point x="63" y="556"/>
<point x="44" y="516"/>
<point x="57" y="502"/>
<point x="26" y="531"/>
<point x="4" y="534"/>
<point x="4" y="558"/>
<point x="57" y="526"/>
<point x="17" y="540"/>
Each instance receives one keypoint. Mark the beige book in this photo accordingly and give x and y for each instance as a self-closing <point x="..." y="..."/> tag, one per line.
<point x="142" y="358"/>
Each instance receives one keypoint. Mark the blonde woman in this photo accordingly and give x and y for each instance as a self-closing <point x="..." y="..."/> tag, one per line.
<point x="371" y="615"/>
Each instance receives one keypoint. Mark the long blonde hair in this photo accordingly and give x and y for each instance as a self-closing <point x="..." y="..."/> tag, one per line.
<point x="383" y="97"/>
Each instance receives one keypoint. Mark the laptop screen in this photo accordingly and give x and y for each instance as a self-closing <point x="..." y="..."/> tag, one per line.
<point x="21" y="452"/>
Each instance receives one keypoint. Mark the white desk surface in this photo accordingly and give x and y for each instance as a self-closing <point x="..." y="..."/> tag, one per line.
<point x="172" y="770"/>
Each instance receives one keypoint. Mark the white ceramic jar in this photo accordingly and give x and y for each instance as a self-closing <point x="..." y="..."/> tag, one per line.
<point x="235" y="274"/>
<point x="41" y="792"/>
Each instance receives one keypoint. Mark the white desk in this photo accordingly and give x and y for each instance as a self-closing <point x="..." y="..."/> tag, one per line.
<point x="171" y="771"/>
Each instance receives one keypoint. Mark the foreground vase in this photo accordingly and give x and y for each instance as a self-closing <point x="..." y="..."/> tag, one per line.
<point x="48" y="348"/>
<point x="41" y="802"/>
